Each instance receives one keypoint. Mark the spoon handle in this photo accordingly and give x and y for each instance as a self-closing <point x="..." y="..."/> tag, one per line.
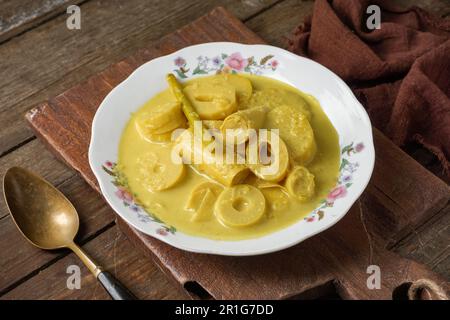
<point x="116" y="290"/>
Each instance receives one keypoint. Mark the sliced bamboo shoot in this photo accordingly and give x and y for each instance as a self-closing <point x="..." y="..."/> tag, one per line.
<point x="158" y="171"/>
<point x="210" y="101"/>
<point x="295" y="130"/>
<point x="300" y="183"/>
<point x="276" y="199"/>
<point x="220" y="171"/>
<point x="245" y="119"/>
<point x="159" y="116"/>
<point x="272" y="158"/>
<point x="262" y="184"/>
<point x="240" y="206"/>
<point x="202" y="200"/>
<point x="275" y="97"/>
<point x="242" y="85"/>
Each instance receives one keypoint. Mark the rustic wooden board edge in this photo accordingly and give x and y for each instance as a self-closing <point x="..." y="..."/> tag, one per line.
<point x="440" y="195"/>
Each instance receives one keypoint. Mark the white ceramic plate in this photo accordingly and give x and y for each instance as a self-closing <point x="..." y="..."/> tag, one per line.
<point x="345" y="112"/>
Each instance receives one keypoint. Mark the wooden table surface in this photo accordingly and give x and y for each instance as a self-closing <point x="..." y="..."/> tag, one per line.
<point x="40" y="58"/>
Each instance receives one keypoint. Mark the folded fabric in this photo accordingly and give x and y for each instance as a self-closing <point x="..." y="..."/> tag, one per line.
<point x="399" y="72"/>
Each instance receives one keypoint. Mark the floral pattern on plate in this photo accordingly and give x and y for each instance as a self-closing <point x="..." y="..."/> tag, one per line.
<point x="225" y="63"/>
<point x="130" y="200"/>
<point x="346" y="171"/>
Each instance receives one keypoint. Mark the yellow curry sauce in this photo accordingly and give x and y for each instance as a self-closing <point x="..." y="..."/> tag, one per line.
<point x="190" y="203"/>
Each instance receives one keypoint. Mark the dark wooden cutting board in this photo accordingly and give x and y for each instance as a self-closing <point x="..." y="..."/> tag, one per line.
<point x="400" y="197"/>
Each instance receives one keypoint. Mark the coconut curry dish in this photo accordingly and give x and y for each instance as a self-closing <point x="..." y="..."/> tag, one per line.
<point x="229" y="157"/>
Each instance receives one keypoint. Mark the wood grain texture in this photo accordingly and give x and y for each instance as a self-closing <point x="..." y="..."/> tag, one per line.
<point x="340" y="255"/>
<point x="291" y="12"/>
<point x="61" y="58"/>
<point x="19" y="16"/>
<point x="116" y="254"/>
<point x="429" y="243"/>
<point x="409" y="193"/>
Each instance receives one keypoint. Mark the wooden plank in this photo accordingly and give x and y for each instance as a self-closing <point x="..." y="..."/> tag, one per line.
<point x="290" y="12"/>
<point x="19" y="16"/>
<point x="396" y="176"/>
<point x="429" y="243"/>
<point x="117" y="255"/>
<point x="342" y="253"/>
<point x="62" y="58"/>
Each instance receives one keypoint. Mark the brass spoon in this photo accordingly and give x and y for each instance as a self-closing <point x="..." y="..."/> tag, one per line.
<point x="48" y="220"/>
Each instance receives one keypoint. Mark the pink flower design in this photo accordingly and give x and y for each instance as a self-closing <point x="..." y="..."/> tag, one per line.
<point x="336" y="193"/>
<point x="310" y="219"/>
<point x="236" y="62"/>
<point x="162" y="232"/>
<point x="109" y="164"/>
<point x="274" y="64"/>
<point x="180" y="62"/>
<point x="359" y="147"/>
<point x="124" y="195"/>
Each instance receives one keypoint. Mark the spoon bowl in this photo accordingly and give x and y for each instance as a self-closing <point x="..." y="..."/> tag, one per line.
<point x="41" y="212"/>
<point x="48" y="220"/>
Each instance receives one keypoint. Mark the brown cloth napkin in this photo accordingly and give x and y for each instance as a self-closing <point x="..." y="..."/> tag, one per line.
<point x="400" y="72"/>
